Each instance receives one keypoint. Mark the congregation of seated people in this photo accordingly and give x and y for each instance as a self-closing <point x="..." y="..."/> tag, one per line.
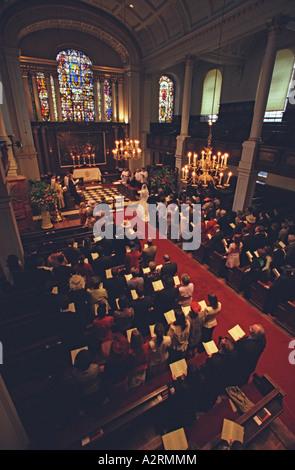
<point x="106" y="292"/>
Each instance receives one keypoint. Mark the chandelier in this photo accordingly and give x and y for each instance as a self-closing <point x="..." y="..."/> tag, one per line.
<point x="209" y="169"/>
<point x="128" y="150"/>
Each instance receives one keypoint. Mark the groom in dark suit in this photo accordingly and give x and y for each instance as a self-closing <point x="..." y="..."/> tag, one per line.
<point x="249" y="350"/>
<point x="169" y="268"/>
<point x="148" y="254"/>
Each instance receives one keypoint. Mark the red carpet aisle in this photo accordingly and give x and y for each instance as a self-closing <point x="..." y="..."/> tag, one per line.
<point x="235" y="310"/>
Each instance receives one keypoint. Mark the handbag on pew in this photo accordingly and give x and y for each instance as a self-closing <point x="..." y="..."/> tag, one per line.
<point x="238" y="397"/>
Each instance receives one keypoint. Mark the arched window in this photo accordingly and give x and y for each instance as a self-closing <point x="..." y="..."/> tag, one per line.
<point x="211" y="95"/>
<point x="53" y="97"/>
<point x="76" y="86"/>
<point x="166" y="99"/>
<point x="280" y="84"/>
<point x="43" y="96"/>
<point x="108" y="100"/>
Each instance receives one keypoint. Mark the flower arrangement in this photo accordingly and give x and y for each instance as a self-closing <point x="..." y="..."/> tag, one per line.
<point x="42" y="196"/>
<point x="164" y="177"/>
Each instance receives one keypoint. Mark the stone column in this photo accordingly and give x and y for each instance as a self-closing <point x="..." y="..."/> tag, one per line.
<point x="103" y="115"/>
<point x="39" y="153"/>
<point x="50" y="98"/>
<point x="114" y="99"/>
<point x="146" y="118"/>
<point x="46" y="153"/>
<point x="10" y="242"/>
<point x="185" y="114"/>
<point x="28" y="94"/>
<point x="247" y="173"/>
<point x="96" y="103"/>
<point x="57" y="97"/>
<point x="13" y="171"/>
<point x="12" y="433"/>
<point x="26" y="155"/>
<point x="121" y="99"/>
<point x="36" y="97"/>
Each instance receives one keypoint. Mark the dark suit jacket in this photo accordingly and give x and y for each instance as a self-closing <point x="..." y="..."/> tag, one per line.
<point x="249" y="352"/>
<point x="142" y="315"/>
<point x="148" y="255"/>
<point x="169" y="269"/>
<point x="164" y="301"/>
<point x="216" y="244"/>
<point x="62" y="275"/>
<point x="41" y="277"/>
<point x="99" y="265"/>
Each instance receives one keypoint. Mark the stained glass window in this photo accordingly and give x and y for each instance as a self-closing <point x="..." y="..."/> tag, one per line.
<point x="166" y="99"/>
<point x="53" y="97"/>
<point x="108" y="99"/>
<point x="30" y="82"/>
<point x="43" y="96"/>
<point x="76" y="86"/>
<point x="99" y="100"/>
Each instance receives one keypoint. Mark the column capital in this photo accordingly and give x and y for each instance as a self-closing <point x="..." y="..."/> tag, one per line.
<point x="277" y="24"/>
<point x="12" y="52"/>
<point x="189" y="60"/>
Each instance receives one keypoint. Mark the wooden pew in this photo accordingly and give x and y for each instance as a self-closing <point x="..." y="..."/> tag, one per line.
<point x="17" y="304"/>
<point x="235" y="277"/>
<point x="271" y="397"/>
<point x="259" y="293"/>
<point x="201" y="253"/>
<point x="217" y="263"/>
<point x="286" y="317"/>
<point x="30" y="363"/>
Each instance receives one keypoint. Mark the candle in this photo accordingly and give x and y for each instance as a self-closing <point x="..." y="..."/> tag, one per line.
<point x="225" y="159"/>
<point x="195" y="159"/>
<point x="219" y="153"/>
<point x="222" y="161"/>
<point x="214" y="158"/>
<point x="220" y="178"/>
<point x="189" y="158"/>
<point x="228" y="177"/>
<point x="217" y="167"/>
<point x="194" y="177"/>
<point x="183" y="173"/>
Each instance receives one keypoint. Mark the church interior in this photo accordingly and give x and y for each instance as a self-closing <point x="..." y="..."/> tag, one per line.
<point x="193" y="102"/>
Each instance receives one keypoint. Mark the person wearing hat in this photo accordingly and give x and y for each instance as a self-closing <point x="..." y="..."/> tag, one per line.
<point x="250" y="223"/>
<point x="90" y="207"/>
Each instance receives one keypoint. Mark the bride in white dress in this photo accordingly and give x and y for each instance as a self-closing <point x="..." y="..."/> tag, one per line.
<point x="142" y="208"/>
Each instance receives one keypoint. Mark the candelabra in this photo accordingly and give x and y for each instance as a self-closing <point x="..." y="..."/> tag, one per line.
<point x="83" y="155"/>
<point x="207" y="170"/>
<point x="128" y="150"/>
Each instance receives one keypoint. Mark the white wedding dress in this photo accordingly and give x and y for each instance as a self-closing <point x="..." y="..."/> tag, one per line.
<point x="142" y="208"/>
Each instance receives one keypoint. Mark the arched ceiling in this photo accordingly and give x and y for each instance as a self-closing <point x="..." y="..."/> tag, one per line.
<point x="155" y="27"/>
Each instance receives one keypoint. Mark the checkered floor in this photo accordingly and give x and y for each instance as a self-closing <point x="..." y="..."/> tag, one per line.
<point x="109" y="192"/>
